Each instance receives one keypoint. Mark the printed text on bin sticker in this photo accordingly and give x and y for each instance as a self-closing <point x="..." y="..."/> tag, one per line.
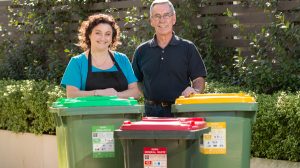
<point x="215" y="141"/>
<point x="155" y="157"/>
<point x="103" y="141"/>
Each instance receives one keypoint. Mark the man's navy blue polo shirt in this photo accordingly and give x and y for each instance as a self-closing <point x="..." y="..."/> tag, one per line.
<point x="167" y="72"/>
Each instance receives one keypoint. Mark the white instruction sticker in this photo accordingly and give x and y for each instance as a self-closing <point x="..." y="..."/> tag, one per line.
<point x="155" y="157"/>
<point x="103" y="141"/>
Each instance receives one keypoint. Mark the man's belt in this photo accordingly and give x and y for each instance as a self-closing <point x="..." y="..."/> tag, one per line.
<point x="162" y="103"/>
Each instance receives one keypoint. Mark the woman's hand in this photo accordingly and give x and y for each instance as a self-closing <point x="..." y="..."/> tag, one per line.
<point x="106" y="92"/>
<point x="132" y="91"/>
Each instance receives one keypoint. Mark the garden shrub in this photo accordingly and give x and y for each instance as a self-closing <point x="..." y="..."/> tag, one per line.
<point x="24" y="105"/>
<point x="275" y="66"/>
<point x="217" y="87"/>
<point x="24" y="61"/>
<point x="43" y="42"/>
<point x="276" y="132"/>
<point x="219" y="61"/>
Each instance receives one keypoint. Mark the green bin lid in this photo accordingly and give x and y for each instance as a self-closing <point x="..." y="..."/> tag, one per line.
<point x="91" y="101"/>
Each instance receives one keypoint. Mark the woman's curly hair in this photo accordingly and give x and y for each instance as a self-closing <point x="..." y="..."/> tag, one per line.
<point x="88" y="25"/>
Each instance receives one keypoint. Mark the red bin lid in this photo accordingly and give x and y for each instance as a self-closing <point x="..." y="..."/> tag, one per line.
<point x="165" y="124"/>
<point x="168" y="119"/>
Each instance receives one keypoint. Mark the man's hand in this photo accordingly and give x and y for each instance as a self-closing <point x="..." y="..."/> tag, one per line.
<point x="188" y="91"/>
<point x="198" y="87"/>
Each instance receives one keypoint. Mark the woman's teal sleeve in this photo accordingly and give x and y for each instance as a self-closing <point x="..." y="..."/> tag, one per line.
<point x="72" y="75"/>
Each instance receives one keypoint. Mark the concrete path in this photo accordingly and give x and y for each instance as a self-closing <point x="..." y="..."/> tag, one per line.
<point x="267" y="163"/>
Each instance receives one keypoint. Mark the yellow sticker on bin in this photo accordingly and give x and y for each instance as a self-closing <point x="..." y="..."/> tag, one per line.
<point x="215" y="141"/>
<point x="211" y="98"/>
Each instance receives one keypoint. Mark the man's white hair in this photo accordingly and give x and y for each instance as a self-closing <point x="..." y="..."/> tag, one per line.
<point x="155" y="2"/>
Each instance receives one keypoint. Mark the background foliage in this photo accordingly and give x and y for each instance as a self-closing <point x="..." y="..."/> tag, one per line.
<point x="44" y="46"/>
<point x="274" y="64"/>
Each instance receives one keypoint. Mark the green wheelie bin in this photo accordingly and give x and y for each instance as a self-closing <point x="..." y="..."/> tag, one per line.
<point x="84" y="130"/>
<point x="161" y="142"/>
<point x="230" y="117"/>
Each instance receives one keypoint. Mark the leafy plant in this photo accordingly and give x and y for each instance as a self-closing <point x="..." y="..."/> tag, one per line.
<point x="275" y="134"/>
<point x="24" y="106"/>
<point x="218" y="60"/>
<point x="39" y="50"/>
<point x="275" y="64"/>
<point x="218" y="87"/>
<point x="140" y="32"/>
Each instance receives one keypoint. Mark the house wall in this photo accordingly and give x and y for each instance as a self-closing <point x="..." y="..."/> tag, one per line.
<point x="25" y="150"/>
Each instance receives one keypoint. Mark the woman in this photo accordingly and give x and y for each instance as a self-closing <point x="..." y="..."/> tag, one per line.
<point x="99" y="71"/>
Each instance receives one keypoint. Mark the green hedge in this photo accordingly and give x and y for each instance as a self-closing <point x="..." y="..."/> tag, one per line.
<point x="24" y="107"/>
<point x="276" y="133"/>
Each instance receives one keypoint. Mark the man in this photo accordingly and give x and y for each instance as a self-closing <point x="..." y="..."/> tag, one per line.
<point x="167" y="65"/>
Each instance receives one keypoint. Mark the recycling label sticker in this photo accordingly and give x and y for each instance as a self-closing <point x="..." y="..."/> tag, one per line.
<point x="155" y="157"/>
<point x="215" y="141"/>
<point x="103" y="141"/>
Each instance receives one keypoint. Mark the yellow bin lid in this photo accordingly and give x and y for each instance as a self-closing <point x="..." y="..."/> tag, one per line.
<point x="212" y="98"/>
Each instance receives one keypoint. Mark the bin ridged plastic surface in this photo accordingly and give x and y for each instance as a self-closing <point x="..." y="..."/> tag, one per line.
<point x="235" y="113"/>
<point x="180" y="138"/>
<point x="75" y="119"/>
